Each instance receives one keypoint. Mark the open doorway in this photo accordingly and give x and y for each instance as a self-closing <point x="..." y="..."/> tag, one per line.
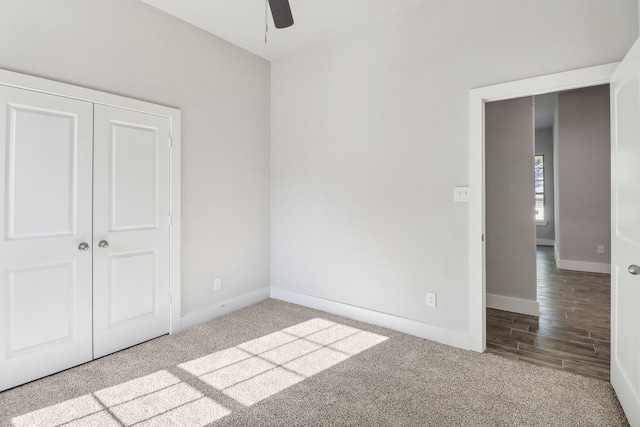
<point x="585" y="77"/>
<point x="549" y="304"/>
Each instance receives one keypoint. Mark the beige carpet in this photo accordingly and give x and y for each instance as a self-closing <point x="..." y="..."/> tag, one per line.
<point x="278" y="364"/>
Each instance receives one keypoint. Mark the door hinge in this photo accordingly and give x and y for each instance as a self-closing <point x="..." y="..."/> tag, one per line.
<point x="170" y="142"/>
<point x="170" y="299"/>
<point x="483" y="237"/>
<point x="170" y="220"/>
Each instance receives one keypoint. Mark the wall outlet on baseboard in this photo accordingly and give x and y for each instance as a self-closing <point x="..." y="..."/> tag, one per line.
<point x="432" y="299"/>
<point x="217" y="283"/>
<point x="600" y="249"/>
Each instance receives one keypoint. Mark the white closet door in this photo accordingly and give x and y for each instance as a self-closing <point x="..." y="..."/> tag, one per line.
<point x="625" y="239"/>
<point x="45" y="215"/>
<point x="131" y="216"/>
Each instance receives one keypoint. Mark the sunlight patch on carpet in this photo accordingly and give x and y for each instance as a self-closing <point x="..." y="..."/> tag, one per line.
<point x="247" y="373"/>
<point x="61" y="413"/>
<point x="157" y="399"/>
<point x="260" y="368"/>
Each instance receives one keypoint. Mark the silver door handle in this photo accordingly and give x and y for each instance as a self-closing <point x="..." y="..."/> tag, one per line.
<point x="83" y="246"/>
<point x="103" y="244"/>
<point x="634" y="269"/>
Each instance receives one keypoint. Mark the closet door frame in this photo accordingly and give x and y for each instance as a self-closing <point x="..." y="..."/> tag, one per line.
<point x="37" y="84"/>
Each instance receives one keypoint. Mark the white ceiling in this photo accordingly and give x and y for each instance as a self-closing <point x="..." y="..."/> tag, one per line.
<point x="242" y="22"/>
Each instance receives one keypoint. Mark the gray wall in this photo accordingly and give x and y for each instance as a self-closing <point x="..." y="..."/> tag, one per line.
<point x="556" y="189"/>
<point x="584" y="184"/>
<point x="370" y="135"/>
<point x="129" y="48"/>
<point x="544" y="145"/>
<point x="509" y="199"/>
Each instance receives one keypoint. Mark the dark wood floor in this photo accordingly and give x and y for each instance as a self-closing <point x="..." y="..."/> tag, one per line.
<point x="572" y="332"/>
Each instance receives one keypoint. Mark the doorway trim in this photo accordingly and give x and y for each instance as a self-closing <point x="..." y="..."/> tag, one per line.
<point x="37" y="84"/>
<point x="585" y="77"/>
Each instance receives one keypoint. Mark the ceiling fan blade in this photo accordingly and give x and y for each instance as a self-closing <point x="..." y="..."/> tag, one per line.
<point x="281" y="12"/>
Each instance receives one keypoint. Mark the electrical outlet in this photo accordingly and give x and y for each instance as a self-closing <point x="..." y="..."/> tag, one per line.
<point x="217" y="283"/>
<point x="600" y="249"/>
<point x="432" y="299"/>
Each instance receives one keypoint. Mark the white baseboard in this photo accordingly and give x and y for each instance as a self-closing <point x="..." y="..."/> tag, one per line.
<point x="589" y="267"/>
<point x="545" y="242"/>
<point x="225" y="307"/>
<point x="400" y="324"/>
<point x="515" y="305"/>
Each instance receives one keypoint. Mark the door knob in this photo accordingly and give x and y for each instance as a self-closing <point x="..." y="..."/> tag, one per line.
<point x="83" y="246"/>
<point x="103" y="244"/>
<point x="634" y="269"/>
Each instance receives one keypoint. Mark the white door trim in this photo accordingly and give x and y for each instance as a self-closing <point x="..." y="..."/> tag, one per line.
<point x="575" y="79"/>
<point x="37" y="84"/>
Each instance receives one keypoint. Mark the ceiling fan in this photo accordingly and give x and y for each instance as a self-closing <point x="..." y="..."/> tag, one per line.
<point x="281" y="12"/>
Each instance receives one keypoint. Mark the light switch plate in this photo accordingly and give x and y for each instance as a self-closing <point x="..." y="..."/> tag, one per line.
<point x="460" y="194"/>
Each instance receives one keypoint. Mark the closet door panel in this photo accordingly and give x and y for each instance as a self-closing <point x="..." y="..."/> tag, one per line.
<point x="131" y="219"/>
<point x="45" y="214"/>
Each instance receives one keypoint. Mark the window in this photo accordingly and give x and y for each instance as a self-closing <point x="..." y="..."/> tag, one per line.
<point x="539" y="184"/>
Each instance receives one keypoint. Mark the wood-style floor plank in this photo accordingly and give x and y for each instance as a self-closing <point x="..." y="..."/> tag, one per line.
<point x="573" y="329"/>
